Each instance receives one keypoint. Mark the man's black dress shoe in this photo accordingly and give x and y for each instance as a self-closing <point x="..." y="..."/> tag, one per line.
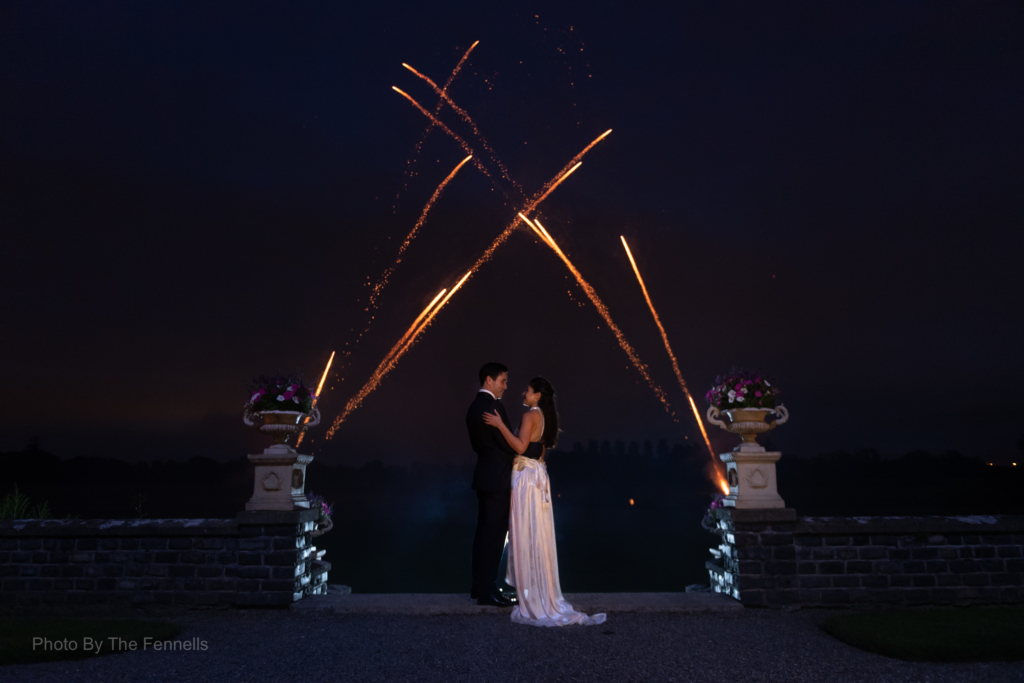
<point x="510" y="595"/>
<point x="494" y="600"/>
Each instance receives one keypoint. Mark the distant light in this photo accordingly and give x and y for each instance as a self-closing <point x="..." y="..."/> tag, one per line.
<point x="990" y="464"/>
<point x="1014" y="464"/>
<point x="630" y="501"/>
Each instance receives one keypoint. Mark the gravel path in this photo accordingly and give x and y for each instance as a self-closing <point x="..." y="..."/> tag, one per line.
<point x="753" y="645"/>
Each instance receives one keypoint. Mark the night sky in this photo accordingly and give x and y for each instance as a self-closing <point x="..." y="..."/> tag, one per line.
<point x="195" y="193"/>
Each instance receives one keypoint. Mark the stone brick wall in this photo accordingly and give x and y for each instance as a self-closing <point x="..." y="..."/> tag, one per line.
<point x="772" y="558"/>
<point x="260" y="558"/>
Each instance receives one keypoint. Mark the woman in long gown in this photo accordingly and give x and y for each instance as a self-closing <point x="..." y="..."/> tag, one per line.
<point x="532" y="557"/>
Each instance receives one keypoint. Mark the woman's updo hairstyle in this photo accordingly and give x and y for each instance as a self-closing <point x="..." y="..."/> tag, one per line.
<point x="547" y="407"/>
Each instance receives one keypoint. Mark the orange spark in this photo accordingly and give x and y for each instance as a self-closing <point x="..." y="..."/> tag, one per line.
<point x="604" y="313"/>
<point x="316" y="396"/>
<point x="323" y="377"/>
<point x="383" y="280"/>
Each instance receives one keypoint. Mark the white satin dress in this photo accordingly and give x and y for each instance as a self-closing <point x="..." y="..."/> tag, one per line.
<point x="532" y="556"/>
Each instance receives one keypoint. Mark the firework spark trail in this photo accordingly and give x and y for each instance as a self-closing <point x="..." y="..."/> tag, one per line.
<point x="413" y="327"/>
<point x="426" y="323"/>
<point x="668" y="347"/>
<point x="319" y="387"/>
<point x="397" y="351"/>
<point x="548" y="188"/>
<point x="458" y="67"/>
<point x="371" y="383"/>
<point x="452" y="134"/>
<point x="511" y="227"/>
<point x="545" y="191"/>
<point x="323" y="377"/>
<point x="472" y="125"/>
<point x="383" y="280"/>
<point x="604" y="313"/>
<point x="437" y="110"/>
<point x="675" y="364"/>
<point x="430" y="203"/>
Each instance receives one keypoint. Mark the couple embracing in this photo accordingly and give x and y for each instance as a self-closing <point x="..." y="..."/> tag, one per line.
<point x="514" y="496"/>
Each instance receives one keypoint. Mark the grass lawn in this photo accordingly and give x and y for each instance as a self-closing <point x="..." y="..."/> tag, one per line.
<point x="22" y="638"/>
<point x="978" y="634"/>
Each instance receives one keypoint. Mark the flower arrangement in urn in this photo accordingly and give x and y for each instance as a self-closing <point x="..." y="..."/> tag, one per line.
<point x="280" y="406"/>
<point x="750" y="403"/>
<point x="742" y="389"/>
<point x="279" y="393"/>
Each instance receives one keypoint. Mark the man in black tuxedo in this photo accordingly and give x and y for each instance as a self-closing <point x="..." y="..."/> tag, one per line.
<point x="492" y="481"/>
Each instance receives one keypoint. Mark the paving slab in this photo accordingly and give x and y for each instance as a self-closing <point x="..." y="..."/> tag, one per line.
<point x="442" y="604"/>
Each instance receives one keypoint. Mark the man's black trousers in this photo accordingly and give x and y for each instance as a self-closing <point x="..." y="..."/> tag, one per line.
<point x="489" y="540"/>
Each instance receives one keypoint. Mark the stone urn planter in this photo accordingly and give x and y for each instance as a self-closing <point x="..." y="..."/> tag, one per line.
<point x="747" y="423"/>
<point x="746" y="403"/>
<point x="279" y="425"/>
<point x="750" y="470"/>
<point x="280" y="473"/>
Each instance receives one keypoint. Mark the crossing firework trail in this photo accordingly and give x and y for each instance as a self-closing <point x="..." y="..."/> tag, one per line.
<point x="437" y="112"/>
<point x="531" y="205"/>
<point x="604" y="313"/>
<point x="452" y="134"/>
<point x="472" y="125"/>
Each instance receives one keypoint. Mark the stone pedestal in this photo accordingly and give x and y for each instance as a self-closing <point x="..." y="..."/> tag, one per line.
<point x="751" y="477"/>
<point x="280" y="481"/>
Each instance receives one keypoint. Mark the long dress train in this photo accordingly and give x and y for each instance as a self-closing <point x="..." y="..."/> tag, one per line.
<point x="532" y="556"/>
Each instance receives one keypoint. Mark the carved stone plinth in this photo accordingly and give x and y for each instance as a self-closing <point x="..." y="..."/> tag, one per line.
<point x="280" y="481"/>
<point x="751" y="477"/>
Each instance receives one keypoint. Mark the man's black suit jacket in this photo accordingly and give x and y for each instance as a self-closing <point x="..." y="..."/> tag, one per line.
<point x="493" y="454"/>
